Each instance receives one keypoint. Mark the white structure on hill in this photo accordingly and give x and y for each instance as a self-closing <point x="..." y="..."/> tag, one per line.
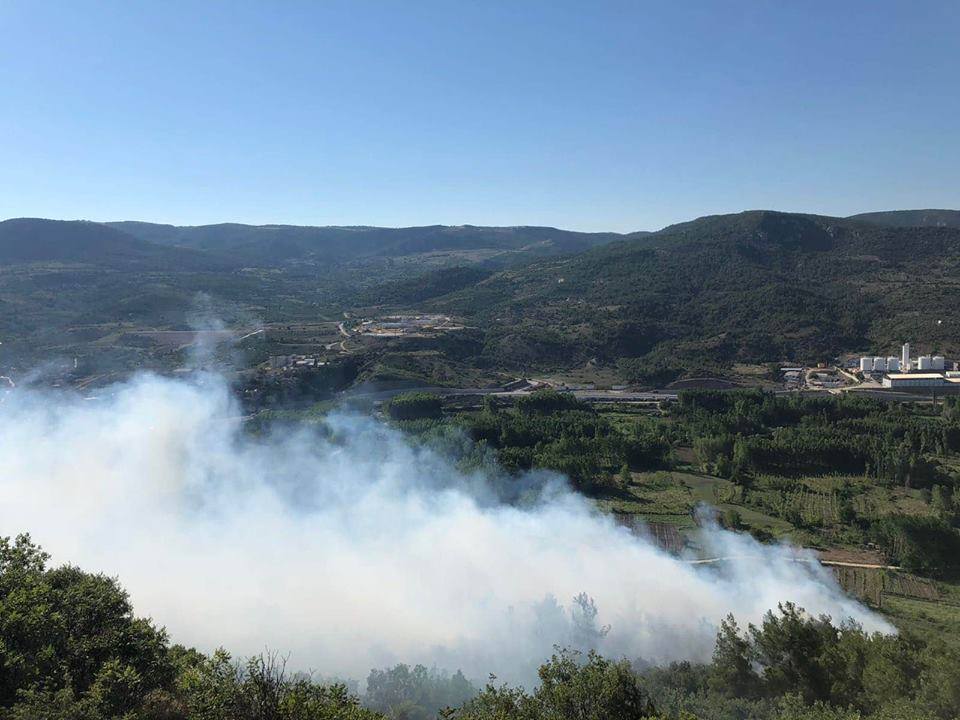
<point x="903" y="364"/>
<point x="909" y="381"/>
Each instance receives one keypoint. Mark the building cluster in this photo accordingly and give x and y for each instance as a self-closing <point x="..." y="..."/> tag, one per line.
<point x="903" y="364"/>
<point x="282" y="362"/>
<point x="904" y="372"/>
<point x="407" y="325"/>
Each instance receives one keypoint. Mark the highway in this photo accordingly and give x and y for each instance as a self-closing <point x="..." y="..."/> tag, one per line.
<point x="379" y="395"/>
<point x="586" y="395"/>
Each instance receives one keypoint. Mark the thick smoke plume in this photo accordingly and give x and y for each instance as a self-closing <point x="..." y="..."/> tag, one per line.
<point x="349" y="548"/>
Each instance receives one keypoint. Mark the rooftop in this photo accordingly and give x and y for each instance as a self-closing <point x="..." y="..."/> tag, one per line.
<point x="915" y="376"/>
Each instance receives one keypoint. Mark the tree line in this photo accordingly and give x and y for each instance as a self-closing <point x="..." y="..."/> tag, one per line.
<point x="546" y="429"/>
<point x="71" y="648"/>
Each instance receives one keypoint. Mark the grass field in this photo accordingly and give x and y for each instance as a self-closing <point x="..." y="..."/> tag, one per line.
<point x="912" y="603"/>
<point x="938" y="620"/>
<point x="673" y="497"/>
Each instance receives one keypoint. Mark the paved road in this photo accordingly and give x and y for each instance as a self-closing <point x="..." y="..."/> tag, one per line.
<point x="250" y="334"/>
<point x="588" y="395"/>
<point x="828" y="563"/>
<point x="597" y="395"/>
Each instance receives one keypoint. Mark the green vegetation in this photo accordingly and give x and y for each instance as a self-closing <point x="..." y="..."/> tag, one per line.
<point x="548" y="430"/>
<point x="844" y="470"/>
<point x="84" y="289"/>
<point x="912" y="218"/>
<point x="923" y="544"/>
<point x="694" y="298"/>
<point x="870" y="484"/>
<point x="834" y="471"/>
<point x="415" y="406"/>
<point x="874" y="483"/>
<point x="691" y="300"/>
<point x="71" y="649"/>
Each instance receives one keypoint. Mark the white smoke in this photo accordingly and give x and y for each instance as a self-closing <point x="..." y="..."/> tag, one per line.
<point x="349" y="548"/>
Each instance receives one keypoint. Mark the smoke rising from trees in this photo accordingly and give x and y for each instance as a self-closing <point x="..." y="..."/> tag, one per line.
<point x="350" y="549"/>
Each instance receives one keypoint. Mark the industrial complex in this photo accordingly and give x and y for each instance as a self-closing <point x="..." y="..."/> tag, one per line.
<point x="906" y="373"/>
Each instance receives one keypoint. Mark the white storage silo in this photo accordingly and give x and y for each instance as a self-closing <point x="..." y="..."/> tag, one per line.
<point x="893" y="364"/>
<point x="939" y="361"/>
<point x="866" y="364"/>
<point x="879" y="364"/>
<point x="925" y="362"/>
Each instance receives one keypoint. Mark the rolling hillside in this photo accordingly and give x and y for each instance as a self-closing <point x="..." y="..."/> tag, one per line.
<point x="911" y="218"/>
<point x="72" y="287"/>
<point x="752" y="287"/>
<point x="270" y="245"/>
<point x="692" y="298"/>
<point x="32" y="240"/>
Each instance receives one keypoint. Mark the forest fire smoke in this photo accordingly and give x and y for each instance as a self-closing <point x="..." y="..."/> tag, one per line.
<point x="351" y="549"/>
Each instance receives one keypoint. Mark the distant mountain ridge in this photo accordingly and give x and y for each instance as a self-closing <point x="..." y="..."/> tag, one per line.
<point x="221" y="246"/>
<point x="696" y="296"/>
<point x="271" y="244"/>
<point x="911" y="218"/>
<point x="747" y="287"/>
<point x="34" y="240"/>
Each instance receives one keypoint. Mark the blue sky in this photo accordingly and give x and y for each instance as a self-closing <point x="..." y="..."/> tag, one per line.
<point x="588" y="115"/>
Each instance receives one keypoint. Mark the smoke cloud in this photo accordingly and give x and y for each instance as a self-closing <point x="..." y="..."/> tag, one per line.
<point x="350" y="549"/>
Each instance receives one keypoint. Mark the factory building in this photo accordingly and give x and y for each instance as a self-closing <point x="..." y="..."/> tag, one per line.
<point x="903" y="364"/>
<point x="921" y="381"/>
<point x="907" y="381"/>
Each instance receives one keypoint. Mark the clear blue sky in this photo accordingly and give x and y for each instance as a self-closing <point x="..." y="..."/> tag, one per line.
<point x="586" y="115"/>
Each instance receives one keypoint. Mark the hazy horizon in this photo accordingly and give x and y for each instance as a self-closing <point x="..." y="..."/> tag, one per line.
<point x="466" y="224"/>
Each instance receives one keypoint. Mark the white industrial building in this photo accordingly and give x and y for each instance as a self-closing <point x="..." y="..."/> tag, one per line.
<point x="903" y="381"/>
<point x="909" y="381"/>
<point x="903" y="364"/>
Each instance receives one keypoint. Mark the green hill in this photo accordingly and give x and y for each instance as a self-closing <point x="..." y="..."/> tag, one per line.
<point x="279" y="244"/>
<point x="690" y="299"/>
<point x="753" y="287"/>
<point x="912" y="218"/>
<point x="32" y="240"/>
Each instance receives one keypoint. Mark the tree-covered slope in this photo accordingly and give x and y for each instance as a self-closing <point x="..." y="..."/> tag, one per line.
<point x="277" y="244"/>
<point x="756" y="286"/>
<point x="33" y="240"/>
<point x="912" y="218"/>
